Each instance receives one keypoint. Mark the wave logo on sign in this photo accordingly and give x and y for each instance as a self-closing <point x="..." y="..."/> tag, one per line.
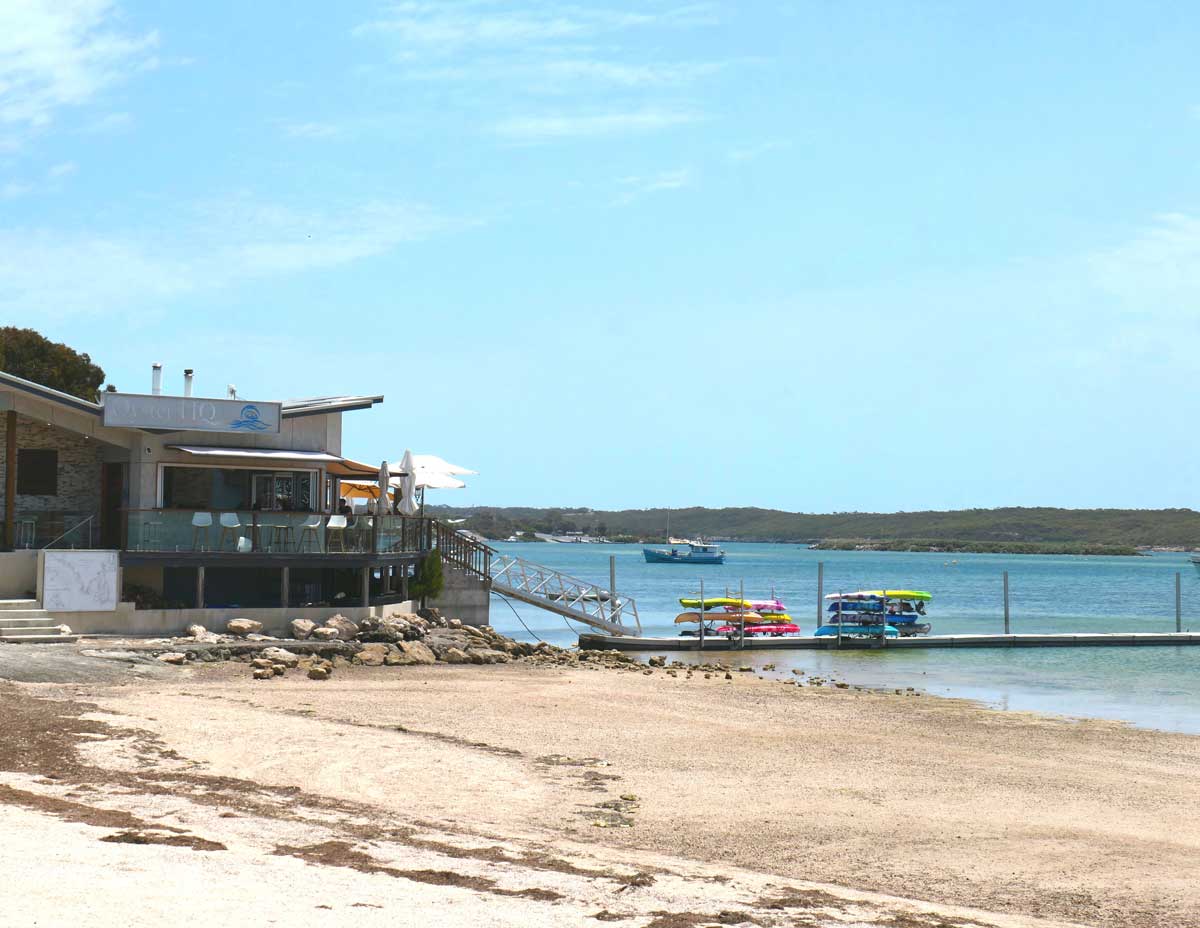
<point x="250" y="421"/>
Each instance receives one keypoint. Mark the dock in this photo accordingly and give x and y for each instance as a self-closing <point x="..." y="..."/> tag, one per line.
<point x="591" y="642"/>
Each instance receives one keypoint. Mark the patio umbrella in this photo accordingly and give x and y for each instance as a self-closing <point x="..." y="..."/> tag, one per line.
<point x="385" y="478"/>
<point x="360" y="489"/>
<point x="408" y="485"/>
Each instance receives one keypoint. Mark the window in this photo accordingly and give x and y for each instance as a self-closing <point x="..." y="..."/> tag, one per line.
<point x="37" y="473"/>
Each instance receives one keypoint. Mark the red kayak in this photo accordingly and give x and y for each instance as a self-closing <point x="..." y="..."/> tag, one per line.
<point x="773" y="629"/>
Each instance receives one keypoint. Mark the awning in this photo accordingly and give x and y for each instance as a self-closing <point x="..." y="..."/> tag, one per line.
<point x="348" y="468"/>
<point x="261" y="454"/>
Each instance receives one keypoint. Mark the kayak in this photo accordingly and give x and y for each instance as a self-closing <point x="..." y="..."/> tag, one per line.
<point x="776" y="628"/>
<point x="848" y="630"/>
<point x="882" y="594"/>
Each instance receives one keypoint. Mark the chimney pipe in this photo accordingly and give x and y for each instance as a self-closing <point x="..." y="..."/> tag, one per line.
<point x="232" y="391"/>
<point x="187" y="381"/>
<point x="156" y="379"/>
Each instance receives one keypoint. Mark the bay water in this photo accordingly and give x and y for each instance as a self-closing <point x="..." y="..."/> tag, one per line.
<point x="1157" y="687"/>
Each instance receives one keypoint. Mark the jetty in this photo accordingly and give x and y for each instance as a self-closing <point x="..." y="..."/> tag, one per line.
<point x="593" y="642"/>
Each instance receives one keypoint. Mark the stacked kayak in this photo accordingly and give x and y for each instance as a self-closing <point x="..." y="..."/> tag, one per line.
<point x="761" y="616"/>
<point x="877" y="613"/>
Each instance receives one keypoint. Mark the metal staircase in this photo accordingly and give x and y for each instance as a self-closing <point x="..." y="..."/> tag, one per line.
<point x="537" y="585"/>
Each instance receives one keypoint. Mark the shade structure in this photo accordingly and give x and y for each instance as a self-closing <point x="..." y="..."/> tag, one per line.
<point x="361" y="489"/>
<point x="385" y="478"/>
<point x="408" y="485"/>
<point x="432" y="472"/>
<point x="431" y="462"/>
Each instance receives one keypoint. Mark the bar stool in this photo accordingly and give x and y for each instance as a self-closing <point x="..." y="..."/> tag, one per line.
<point x="308" y="531"/>
<point x="152" y="535"/>
<point x="336" y="528"/>
<point x="281" y="535"/>
<point x="201" y="523"/>
<point x="231" y="528"/>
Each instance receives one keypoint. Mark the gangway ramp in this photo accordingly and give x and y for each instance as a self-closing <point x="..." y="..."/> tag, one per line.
<point x="540" y="586"/>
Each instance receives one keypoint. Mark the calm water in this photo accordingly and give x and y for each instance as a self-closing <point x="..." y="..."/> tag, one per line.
<point x="1156" y="687"/>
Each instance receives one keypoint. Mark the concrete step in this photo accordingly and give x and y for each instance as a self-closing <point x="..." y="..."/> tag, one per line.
<point x="6" y="604"/>
<point x="37" y="621"/>
<point x="13" y="615"/>
<point x="38" y="639"/>
<point x="29" y="630"/>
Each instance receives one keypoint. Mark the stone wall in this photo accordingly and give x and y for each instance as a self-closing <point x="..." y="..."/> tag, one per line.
<point x="79" y="459"/>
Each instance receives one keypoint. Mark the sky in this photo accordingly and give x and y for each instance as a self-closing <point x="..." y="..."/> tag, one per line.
<point x="810" y="256"/>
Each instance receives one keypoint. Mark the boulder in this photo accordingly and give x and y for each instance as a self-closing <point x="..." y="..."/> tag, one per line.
<point x="263" y="673"/>
<point x="432" y="616"/>
<point x="263" y="663"/>
<point x="374" y="655"/>
<point x="200" y="633"/>
<point x="411" y="652"/>
<point x="63" y="629"/>
<point x="454" y="656"/>
<point x="173" y="657"/>
<point x="487" y="656"/>
<point x="319" y="673"/>
<point x="346" y="630"/>
<point x="454" y="623"/>
<point x="243" y="628"/>
<point x="657" y="662"/>
<point x="324" y="634"/>
<point x="387" y="630"/>
<point x="280" y="656"/>
<point x="302" y="629"/>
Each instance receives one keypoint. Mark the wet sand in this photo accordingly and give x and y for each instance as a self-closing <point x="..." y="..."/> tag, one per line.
<point x="727" y="785"/>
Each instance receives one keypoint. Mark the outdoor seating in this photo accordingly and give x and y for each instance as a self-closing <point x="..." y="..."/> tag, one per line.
<point x="281" y="535"/>
<point x="201" y="523"/>
<point x="231" y="528"/>
<point x="335" y="528"/>
<point x="308" y="532"/>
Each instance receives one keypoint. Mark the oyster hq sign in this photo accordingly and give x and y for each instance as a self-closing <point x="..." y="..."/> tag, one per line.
<point x="189" y="414"/>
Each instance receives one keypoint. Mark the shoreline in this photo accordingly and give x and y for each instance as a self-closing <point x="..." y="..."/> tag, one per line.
<point x="1021" y="815"/>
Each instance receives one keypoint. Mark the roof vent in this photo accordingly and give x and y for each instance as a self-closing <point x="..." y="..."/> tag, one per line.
<point x="187" y="381"/>
<point x="156" y="379"/>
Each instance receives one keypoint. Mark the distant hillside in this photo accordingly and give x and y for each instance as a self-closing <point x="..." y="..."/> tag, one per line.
<point x="1124" y="527"/>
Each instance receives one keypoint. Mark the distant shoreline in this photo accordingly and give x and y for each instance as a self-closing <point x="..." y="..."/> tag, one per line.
<point x="978" y="547"/>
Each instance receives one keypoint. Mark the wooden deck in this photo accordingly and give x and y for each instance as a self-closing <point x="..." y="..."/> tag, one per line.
<point x="591" y="642"/>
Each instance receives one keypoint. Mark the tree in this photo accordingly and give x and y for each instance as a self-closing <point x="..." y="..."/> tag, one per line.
<point x="429" y="581"/>
<point x="30" y="355"/>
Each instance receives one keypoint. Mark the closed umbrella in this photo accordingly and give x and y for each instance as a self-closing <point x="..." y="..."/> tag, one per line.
<point x="408" y="485"/>
<point x="385" y="479"/>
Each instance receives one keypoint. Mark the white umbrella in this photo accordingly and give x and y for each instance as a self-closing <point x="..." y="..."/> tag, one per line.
<point x="385" y="479"/>
<point x="431" y="462"/>
<point x="408" y="485"/>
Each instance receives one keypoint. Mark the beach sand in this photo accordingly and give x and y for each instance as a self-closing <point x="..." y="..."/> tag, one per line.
<point x="736" y="792"/>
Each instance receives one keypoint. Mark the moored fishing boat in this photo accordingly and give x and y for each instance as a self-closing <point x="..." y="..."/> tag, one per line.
<point x="691" y="552"/>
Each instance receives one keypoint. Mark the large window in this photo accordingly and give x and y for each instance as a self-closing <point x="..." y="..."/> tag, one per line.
<point x="231" y="488"/>
<point x="37" y="472"/>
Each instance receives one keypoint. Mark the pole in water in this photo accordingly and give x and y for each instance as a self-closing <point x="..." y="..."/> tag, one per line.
<point x="612" y="584"/>
<point x="839" y="617"/>
<point x="820" y="590"/>
<point x="702" y="615"/>
<point x="742" y="612"/>
<point x="1007" y="625"/>
<point x="1178" y="602"/>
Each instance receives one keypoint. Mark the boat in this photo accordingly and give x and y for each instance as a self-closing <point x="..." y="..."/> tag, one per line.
<point x="877" y="613"/>
<point x="697" y="552"/>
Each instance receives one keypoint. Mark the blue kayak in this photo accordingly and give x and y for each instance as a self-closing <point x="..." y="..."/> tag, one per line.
<point x="856" y="630"/>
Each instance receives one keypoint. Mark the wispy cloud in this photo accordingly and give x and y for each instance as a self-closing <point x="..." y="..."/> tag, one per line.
<point x="65" y="169"/>
<point x="751" y="152"/>
<point x="1158" y="270"/>
<point x="223" y="243"/>
<point x="60" y="53"/>
<point x="634" y="188"/>
<point x="568" y="126"/>
<point x="311" y="130"/>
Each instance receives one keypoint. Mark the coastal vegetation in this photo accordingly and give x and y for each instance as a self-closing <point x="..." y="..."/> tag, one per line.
<point x="1008" y="530"/>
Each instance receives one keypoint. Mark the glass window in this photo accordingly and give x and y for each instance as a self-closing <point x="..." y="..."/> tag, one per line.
<point x="37" y="472"/>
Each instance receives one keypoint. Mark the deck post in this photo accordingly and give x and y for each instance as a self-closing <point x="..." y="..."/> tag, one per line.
<point x="612" y="585"/>
<point x="10" y="479"/>
<point x="200" y="587"/>
<point x="285" y="582"/>
<point x="366" y="586"/>
<point x="1178" y="601"/>
<point x="820" y="591"/>
<point x="701" y="613"/>
<point x="1007" y="625"/>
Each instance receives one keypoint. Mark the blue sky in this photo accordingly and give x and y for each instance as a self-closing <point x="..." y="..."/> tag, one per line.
<point x="814" y="256"/>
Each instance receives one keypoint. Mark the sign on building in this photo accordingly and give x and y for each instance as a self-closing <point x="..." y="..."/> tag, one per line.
<point x="189" y="413"/>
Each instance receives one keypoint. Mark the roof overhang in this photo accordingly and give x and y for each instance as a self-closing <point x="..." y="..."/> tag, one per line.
<point x="347" y="468"/>
<point x="273" y="455"/>
<point x="296" y="409"/>
<point x="47" y="393"/>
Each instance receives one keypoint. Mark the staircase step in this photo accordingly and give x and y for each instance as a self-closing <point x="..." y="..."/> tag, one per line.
<point x="19" y="615"/>
<point x="37" y="639"/>
<point x="36" y="621"/>
<point x="18" y="604"/>
<point x="29" y="630"/>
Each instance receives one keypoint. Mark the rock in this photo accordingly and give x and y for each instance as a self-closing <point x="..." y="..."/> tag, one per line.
<point x="487" y="656"/>
<point x="433" y="617"/>
<point x="346" y="630"/>
<point x="200" y="633"/>
<point x="454" y="656"/>
<point x="657" y="662"/>
<point x="340" y="662"/>
<point x="280" y="656"/>
<point x="244" y="627"/>
<point x="318" y="673"/>
<point x="262" y="663"/>
<point x="173" y="657"/>
<point x="302" y="629"/>
<point x="263" y="673"/>
<point x="63" y="629"/>
<point x="324" y="634"/>
<point x="411" y="652"/>
<point x="254" y="636"/>
<point x="728" y="675"/>
<point x="373" y="655"/>
<point x="388" y="630"/>
<point x="454" y="623"/>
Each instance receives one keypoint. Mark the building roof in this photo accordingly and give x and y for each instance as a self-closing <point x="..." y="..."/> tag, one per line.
<point x="49" y="393"/>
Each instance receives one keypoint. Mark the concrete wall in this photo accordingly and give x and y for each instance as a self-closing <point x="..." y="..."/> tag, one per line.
<point x="464" y="597"/>
<point x="126" y="620"/>
<point x="18" y="574"/>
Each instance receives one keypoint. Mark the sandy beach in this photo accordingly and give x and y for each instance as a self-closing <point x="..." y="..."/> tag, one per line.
<point x="516" y="794"/>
